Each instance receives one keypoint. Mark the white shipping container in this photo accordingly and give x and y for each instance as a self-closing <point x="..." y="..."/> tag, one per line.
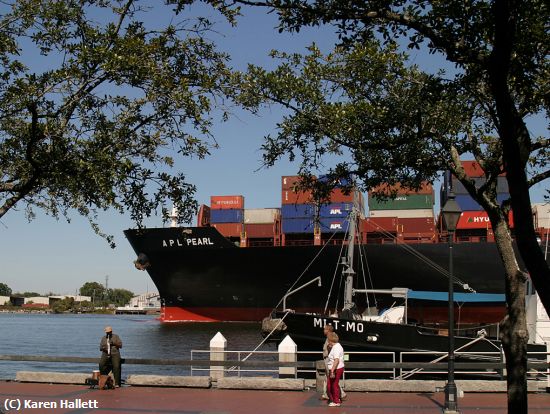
<point x="260" y="215"/>
<point x="415" y="213"/>
<point x="542" y="215"/>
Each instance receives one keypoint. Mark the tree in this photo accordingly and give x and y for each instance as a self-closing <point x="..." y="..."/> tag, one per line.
<point x="93" y="289"/>
<point x="63" y="305"/>
<point x="91" y="99"/>
<point x="119" y="297"/>
<point x="4" y="290"/>
<point x="412" y="123"/>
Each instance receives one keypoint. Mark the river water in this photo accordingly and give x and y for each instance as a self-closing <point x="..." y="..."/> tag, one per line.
<point x="142" y="337"/>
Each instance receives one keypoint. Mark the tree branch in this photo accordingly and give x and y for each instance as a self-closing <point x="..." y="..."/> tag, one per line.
<point x="538" y="178"/>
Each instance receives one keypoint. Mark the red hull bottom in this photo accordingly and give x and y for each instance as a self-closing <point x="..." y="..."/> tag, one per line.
<point x="177" y="314"/>
<point x="436" y="314"/>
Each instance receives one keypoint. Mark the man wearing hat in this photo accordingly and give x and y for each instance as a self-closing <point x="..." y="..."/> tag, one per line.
<point x="110" y="354"/>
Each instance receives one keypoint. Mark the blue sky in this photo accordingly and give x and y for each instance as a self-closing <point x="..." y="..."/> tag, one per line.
<point x="48" y="255"/>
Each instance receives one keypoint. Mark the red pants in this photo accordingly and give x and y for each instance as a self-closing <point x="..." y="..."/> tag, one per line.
<point x="333" y="386"/>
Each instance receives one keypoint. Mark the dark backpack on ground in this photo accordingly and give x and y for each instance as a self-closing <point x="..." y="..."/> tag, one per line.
<point x="105" y="382"/>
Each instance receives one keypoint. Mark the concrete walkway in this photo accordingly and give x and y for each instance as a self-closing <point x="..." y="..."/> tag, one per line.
<point x="140" y="400"/>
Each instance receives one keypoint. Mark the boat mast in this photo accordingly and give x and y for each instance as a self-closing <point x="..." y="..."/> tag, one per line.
<point x="348" y="271"/>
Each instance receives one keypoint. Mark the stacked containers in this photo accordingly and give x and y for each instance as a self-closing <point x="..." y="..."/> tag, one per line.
<point x="298" y="210"/>
<point x="409" y="213"/>
<point x="227" y="214"/>
<point x="260" y="223"/>
<point x="474" y="221"/>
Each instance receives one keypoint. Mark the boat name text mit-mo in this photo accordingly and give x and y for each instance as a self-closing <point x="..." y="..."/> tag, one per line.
<point x="348" y="326"/>
<point x="190" y="241"/>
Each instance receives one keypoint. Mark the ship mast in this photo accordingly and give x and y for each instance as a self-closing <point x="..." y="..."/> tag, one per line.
<point x="348" y="271"/>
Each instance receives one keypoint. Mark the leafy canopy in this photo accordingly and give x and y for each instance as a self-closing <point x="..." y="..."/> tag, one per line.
<point x="95" y="97"/>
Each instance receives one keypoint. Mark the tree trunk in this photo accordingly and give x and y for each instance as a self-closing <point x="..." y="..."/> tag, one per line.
<point x="516" y="147"/>
<point x="514" y="334"/>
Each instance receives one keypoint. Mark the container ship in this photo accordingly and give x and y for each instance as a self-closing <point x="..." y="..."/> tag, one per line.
<point x="236" y="264"/>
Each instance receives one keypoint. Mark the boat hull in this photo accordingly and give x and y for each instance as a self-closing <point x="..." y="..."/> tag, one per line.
<point x="201" y="276"/>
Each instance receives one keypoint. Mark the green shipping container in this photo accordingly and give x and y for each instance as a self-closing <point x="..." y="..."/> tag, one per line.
<point x="403" y="202"/>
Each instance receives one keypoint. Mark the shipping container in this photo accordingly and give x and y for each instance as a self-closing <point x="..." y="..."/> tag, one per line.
<point x="334" y="225"/>
<point x="335" y="210"/>
<point x="478" y="220"/>
<point x="414" y="213"/>
<point x="416" y="225"/>
<point x="541" y="212"/>
<point x="425" y="188"/>
<point x="467" y="203"/>
<point x="235" y="202"/>
<point x="289" y="182"/>
<point x="338" y="196"/>
<point x="261" y="215"/>
<point x="226" y="216"/>
<point x="339" y="182"/>
<point x="229" y="229"/>
<point x="379" y="224"/>
<point x="458" y="188"/>
<point x="259" y="230"/>
<point x="297" y="225"/>
<point x="203" y="218"/>
<point x="403" y="202"/>
<point x="292" y="197"/>
<point x="297" y="210"/>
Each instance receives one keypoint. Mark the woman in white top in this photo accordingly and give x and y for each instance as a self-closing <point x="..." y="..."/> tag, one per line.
<point x="335" y="365"/>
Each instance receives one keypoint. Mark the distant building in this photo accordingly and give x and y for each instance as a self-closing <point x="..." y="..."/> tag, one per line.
<point x="4" y="299"/>
<point x="37" y="300"/>
<point x="145" y="300"/>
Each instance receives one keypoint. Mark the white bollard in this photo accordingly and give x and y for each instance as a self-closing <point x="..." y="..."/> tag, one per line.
<point x="218" y="345"/>
<point x="287" y="353"/>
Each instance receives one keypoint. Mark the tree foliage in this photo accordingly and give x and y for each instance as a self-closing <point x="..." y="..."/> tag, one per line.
<point x="5" y="290"/>
<point x="94" y="290"/>
<point x="94" y="95"/>
<point x="119" y="297"/>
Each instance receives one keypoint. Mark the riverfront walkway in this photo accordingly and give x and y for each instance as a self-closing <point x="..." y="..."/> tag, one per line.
<point x="140" y="400"/>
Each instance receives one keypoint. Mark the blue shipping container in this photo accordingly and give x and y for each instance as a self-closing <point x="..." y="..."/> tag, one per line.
<point x="297" y="210"/>
<point x="334" y="225"/>
<point x="335" y="210"/>
<point x="227" y="216"/>
<point x="297" y="225"/>
<point x="342" y="182"/>
<point x="467" y="203"/>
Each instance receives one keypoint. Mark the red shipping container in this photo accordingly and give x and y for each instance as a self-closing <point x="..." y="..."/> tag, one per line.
<point x="229" y="229"/>
<point x="338" y="196"/>
<point x="379" y="224"/>
<point x="416" y="225"/>
<point x="235" y="202"/>
<point x="473" y="169"/>
<point x="288" y="182"/>
<point x="426" y="189"/>
<point x="203" y="218"/>
<point x="259" y="230"/>
<point x="478" y="220"/>
<point x="292" y="197"/>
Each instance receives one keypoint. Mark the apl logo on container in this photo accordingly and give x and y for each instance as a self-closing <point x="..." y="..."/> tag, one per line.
<point x="335" y="226"/>
<point x="335" y="211"/>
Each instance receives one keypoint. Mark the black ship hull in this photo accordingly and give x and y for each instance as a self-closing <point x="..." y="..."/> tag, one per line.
<point x="201" y="276"/>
